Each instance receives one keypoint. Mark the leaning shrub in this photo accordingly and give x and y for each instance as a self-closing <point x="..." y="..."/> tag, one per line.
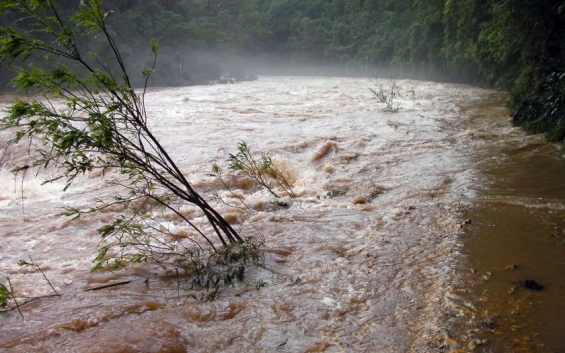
<point x="81" y="114"/>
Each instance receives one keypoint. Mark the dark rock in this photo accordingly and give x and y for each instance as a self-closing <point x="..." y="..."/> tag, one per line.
<point x="531" y="284"/>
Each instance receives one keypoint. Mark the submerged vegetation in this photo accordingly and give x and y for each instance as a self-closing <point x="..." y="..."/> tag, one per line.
<point x="8" y="298"/>
<point x="387" y="95"/>
<point x="263" y="171"/>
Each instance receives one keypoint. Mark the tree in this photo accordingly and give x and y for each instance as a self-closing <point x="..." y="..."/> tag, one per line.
<point x="103" y="125"/>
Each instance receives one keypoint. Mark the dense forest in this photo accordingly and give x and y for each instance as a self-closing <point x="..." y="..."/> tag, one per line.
<point x="514" y="45"/>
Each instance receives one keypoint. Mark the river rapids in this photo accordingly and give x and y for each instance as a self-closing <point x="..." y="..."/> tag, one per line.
<point x="364" y="259"/>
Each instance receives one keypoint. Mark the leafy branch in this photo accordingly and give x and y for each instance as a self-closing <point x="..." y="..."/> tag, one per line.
<point x="263" y="170"/>
<point x="7" y="294"/>
<point x="101" y="125"/>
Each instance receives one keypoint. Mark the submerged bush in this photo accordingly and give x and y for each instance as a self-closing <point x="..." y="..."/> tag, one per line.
<point x="387" y="95"/>
<point x="261" y="170"/>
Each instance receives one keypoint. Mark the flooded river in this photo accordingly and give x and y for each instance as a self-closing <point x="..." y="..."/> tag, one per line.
<point x="386" y="247"/>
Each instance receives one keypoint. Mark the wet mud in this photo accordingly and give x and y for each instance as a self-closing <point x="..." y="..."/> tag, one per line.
<point x="514" y="248"/>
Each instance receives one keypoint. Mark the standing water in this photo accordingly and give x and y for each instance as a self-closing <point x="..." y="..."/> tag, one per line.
<point x="367" y="257"/>
<point x="515" y="239"/>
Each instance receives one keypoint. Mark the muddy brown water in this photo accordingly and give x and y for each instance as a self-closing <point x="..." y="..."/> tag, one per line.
<point x="515" y="233"/>
<point x="375" y="235"/>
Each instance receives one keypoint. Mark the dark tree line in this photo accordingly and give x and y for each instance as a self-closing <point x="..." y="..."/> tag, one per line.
<point x="516" y="45"/>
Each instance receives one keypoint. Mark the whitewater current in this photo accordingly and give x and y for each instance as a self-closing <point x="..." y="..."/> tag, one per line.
<point x="363" y="259"/>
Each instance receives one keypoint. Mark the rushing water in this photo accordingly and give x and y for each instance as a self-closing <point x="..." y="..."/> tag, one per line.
<point x="374" y="235"/>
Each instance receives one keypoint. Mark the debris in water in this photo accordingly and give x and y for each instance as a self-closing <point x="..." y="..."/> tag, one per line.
<point x="531" y="284"/>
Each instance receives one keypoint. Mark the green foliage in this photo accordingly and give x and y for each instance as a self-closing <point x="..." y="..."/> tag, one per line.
<point x="263" y="170"/>
<point x="538" y="95"/>
<point x="102" y="125"/>
<point x="5" y="296"/>
<point x="543" y="110"/>
<point x="226" y="267"/>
